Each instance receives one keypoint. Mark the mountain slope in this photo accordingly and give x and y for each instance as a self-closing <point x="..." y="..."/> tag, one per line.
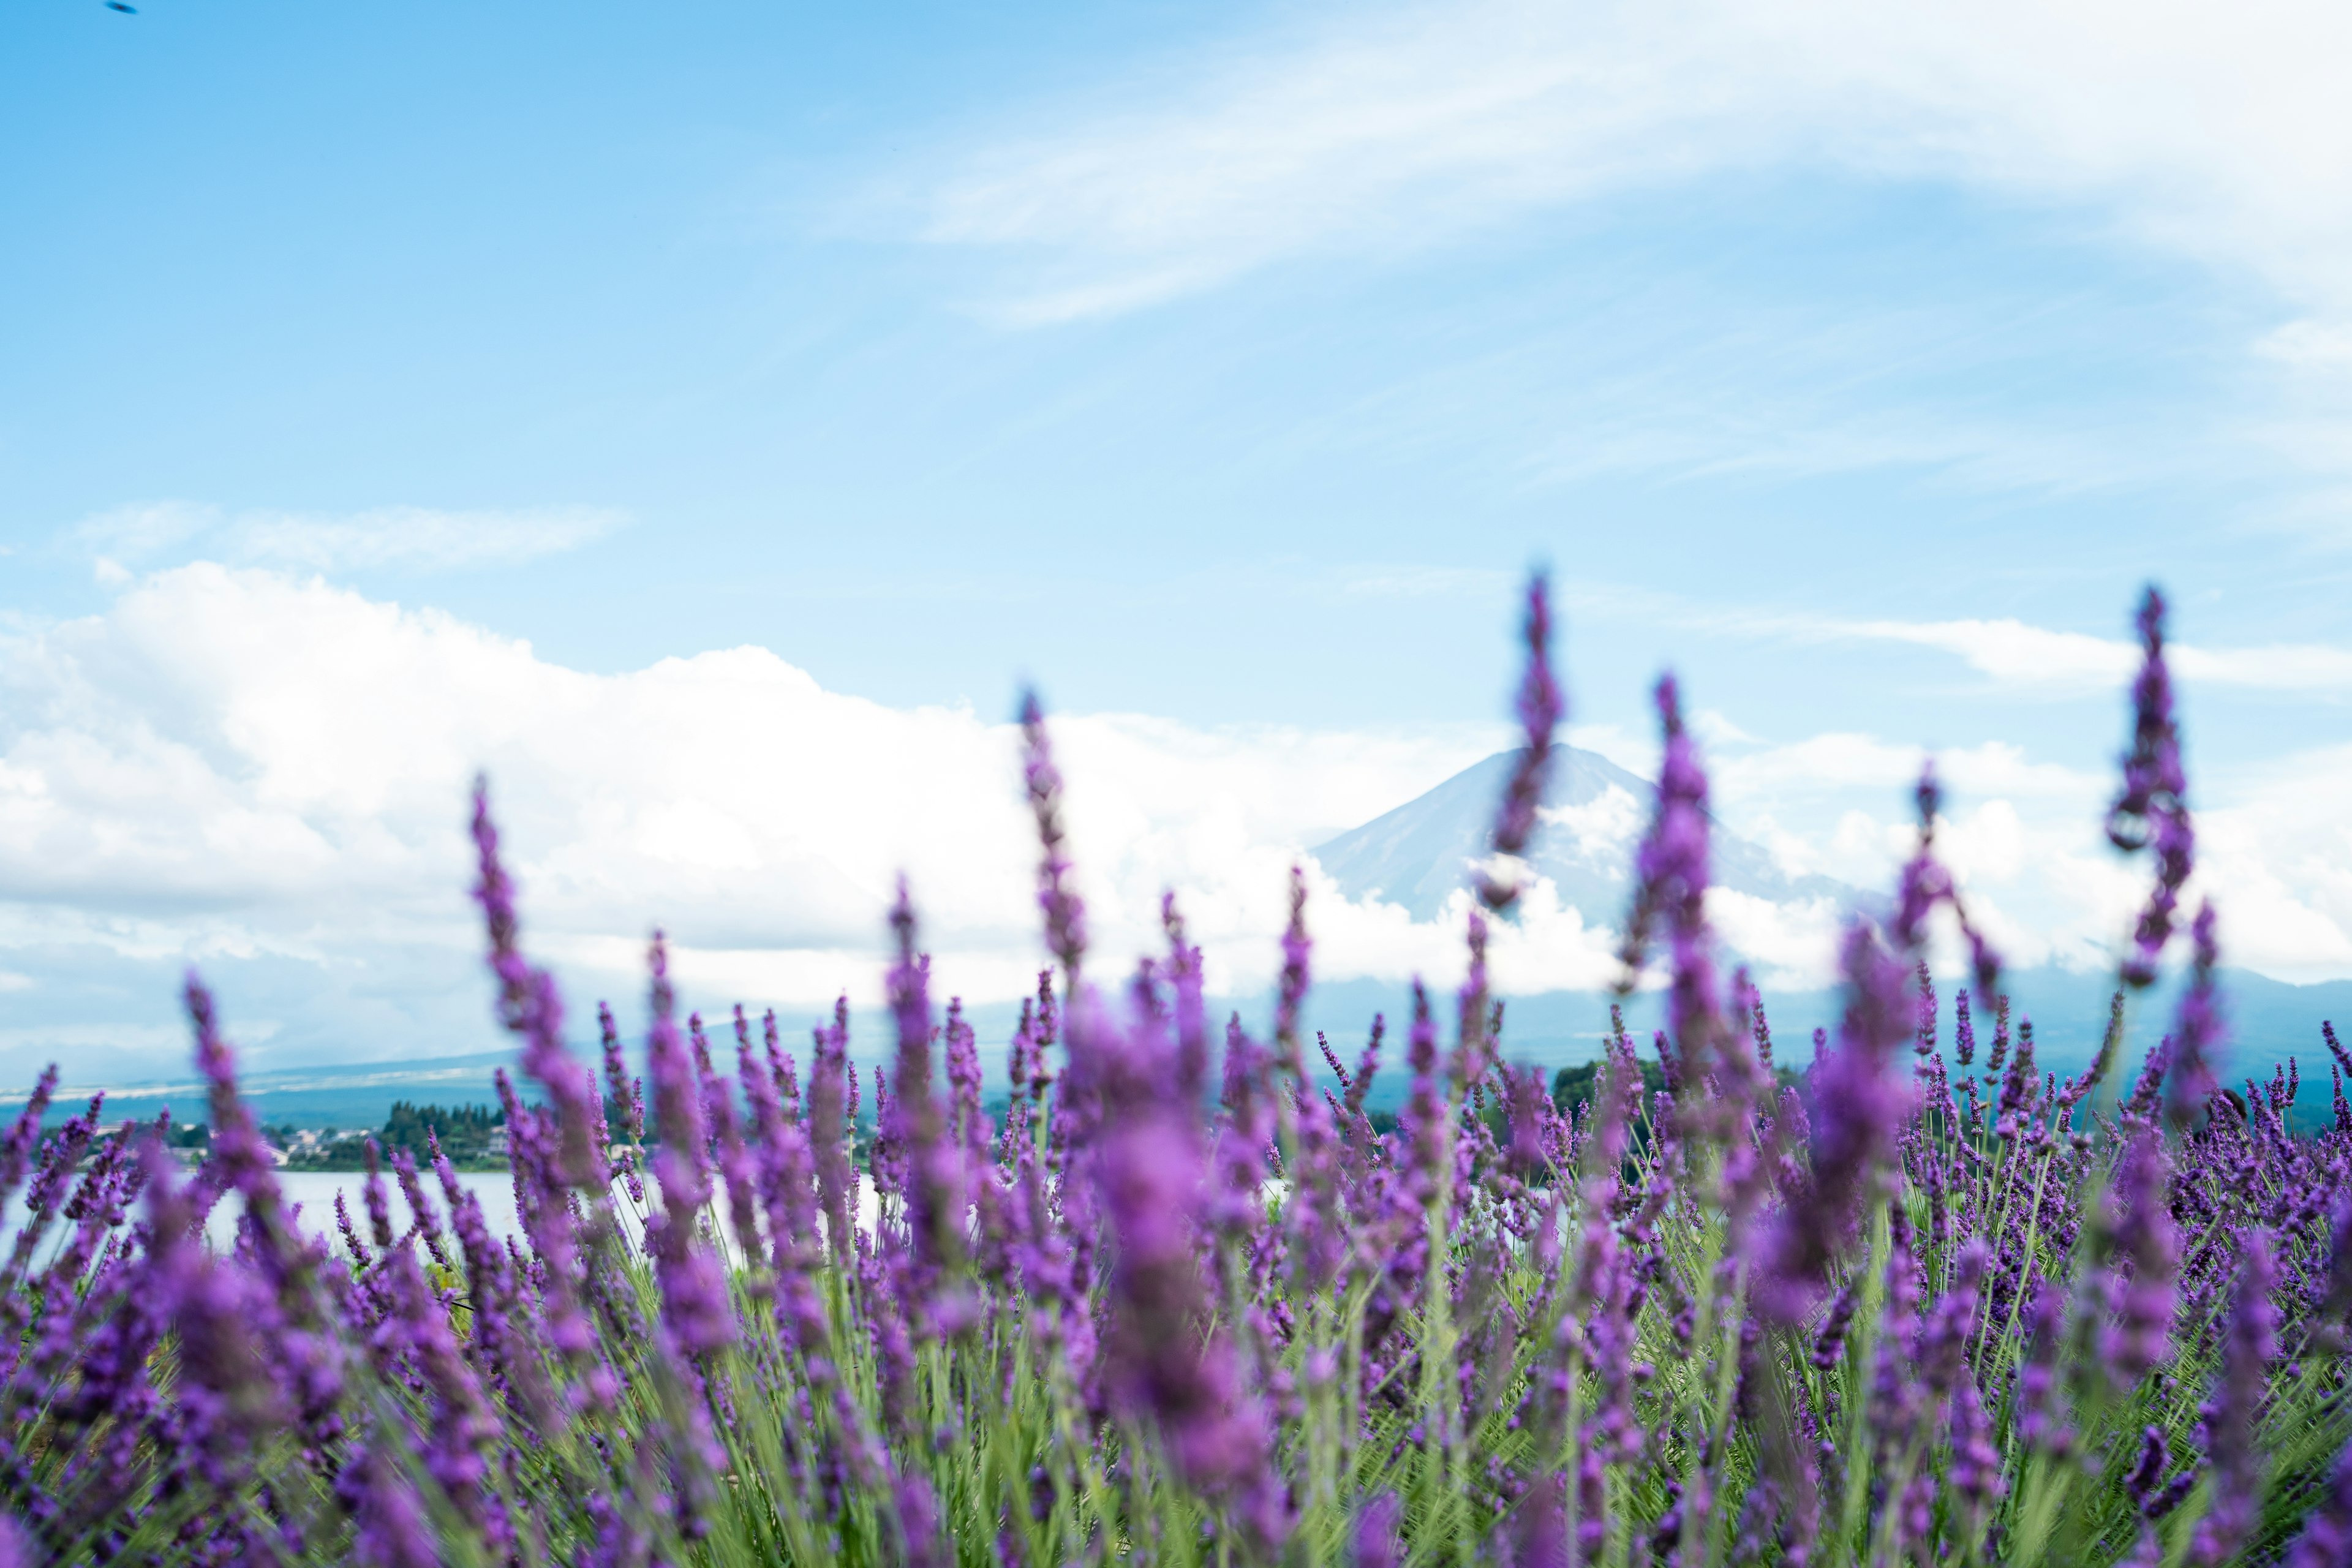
<point x="1418" y="854"/>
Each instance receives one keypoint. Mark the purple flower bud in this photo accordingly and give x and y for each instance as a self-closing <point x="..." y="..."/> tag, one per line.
<point x="17" y="1150"/>
<point x="1540" y="709"/>
<point x="529" y="1006"/>
<point x="832" y="1119"/>
<point x="2139" y="1298"/>
<point x="2148" y="1471"/>
<point x="1671" y="882"/>
<point x="919" y="1520"/>
<point x="1924" y="1042"/>
<point x="2248" y="1343"/>
<point x="1066" y="913"/>
<point x="2196" y="1030"/>
<point x="1999" y="1052"/>
<point x="2325" y="1540"/>
<point x="2038" y="1423"/>
<point x="1148" y="1161"/>
<point x="618" y="1086"/>
<point x="933" y="1299"/>
<point x="1377" y="1544"/>
<point x="2152" y="806"/>
<point x="1858" y="1105"/>
<point x="695" y="1308"/>
<point x="389" y="1528"/>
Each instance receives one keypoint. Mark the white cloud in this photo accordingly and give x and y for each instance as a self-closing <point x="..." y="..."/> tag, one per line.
<point x="237" y="763"/>
<point x="2219" y="133"/>
<point x="2024" y="840"/>
<point x="2309" y="343"/>
<point x="237" y="755"/>
<point x="2017" y="654"/>
<point x="404" y="537"/>
<point x="1841" y="762"/>
<point x="1611" y="822"/>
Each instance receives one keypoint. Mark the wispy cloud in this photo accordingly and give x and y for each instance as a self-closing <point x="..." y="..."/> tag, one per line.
<point x="418" y="539"/>
<point x="2013" y="653"/>
<point x="2017" y="654"/>
<point x="1421" y="123"/>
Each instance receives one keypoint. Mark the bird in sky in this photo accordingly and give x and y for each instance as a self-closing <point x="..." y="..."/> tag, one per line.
<point x="119" y="6"/>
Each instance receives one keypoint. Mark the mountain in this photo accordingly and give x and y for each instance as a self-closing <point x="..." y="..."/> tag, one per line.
<point x="1418" y="854"/>
<point x="355" y="1095"/>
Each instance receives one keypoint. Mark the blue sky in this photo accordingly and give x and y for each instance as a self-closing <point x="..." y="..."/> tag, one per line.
<point x="1217" y="366"/>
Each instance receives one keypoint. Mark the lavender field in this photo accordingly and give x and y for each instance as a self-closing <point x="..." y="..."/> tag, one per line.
<point x="1166" y="1294"/>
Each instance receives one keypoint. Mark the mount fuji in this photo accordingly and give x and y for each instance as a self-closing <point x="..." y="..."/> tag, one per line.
<point x="1416" y="856"/>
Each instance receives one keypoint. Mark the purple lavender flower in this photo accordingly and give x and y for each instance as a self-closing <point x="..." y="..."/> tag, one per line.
<point x="2147" y="1473"/>
<point x="462" y="1427"/>
<point x="2325" y="1540"/>
<point x="2197" y="1029"/>
<point x="2152" y="806"/>
<point x="832" y="1117"/>
<point x="1928" y="884"/>
<point x="1858" y="1105"/>
<point x="934" y="1165"/>
<point x="529" y="1006"/>
<point x="1924" y="1040"/>
<point x="1066" y="913"/>
<point x="1376" y="1541"/>
<point x="388" y="1519"/>
<point x="619" y="1088"/>
<point x="1540" y="709"/>
<point x="1671" y="883"/>
<point x="2039" y="1423"/>
<point x="695" y="1307"/>
<point x="2140" y="1301"/>
<point x="919" y="1520"/>
<point x="1148" y="1161"/>
<point x="1976" y="1472"/>
<point x="17" y="1150"/>
<point x="1290" y="989"/>
<point x="2248" y="1344"/>
<point x="307" y="1358"/>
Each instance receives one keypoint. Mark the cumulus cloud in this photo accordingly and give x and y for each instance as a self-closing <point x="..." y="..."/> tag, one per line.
<point x="403" y="537"/>
<point x="2024" y="840"/>
<point x="243" y="757"/>
<point x="240" y="764"/>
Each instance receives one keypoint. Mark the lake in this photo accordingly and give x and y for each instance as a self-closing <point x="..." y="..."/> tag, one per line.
<point x="313" y="1194"/>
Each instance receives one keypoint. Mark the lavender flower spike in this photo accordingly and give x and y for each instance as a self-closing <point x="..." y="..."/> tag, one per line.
<point x="2152" y="808"/>
<point x="2196" y="1030"/>
<point x="694" y="1306"/>
<point x="2248" y="1344"/>
<point x="1066" y="913"/>
<point x="2326" y="1538"/>
<point x="529" y="1006"/>
<point x="934" y="1166"/>
<point x="1540" y="710"/>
